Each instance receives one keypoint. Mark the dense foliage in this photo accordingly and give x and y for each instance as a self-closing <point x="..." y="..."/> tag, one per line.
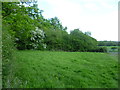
<point x="81" y="41"/>
<point x="32" y="31"/>
<point x="8" y="53"/>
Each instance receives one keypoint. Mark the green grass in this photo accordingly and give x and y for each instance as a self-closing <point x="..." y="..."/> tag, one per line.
<point x="45" y="69"/>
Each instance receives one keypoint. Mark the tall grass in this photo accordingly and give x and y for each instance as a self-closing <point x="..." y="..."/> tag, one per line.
<point x="44" y="69"/>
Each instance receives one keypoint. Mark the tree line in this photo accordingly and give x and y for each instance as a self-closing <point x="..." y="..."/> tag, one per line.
<point x="30" y="30"/>
<point x="108" y="43"/>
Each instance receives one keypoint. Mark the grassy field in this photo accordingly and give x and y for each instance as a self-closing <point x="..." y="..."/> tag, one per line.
<point x="45" y="69"/>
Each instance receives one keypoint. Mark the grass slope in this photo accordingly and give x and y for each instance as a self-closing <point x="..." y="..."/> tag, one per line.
<point x="44" y="69"/>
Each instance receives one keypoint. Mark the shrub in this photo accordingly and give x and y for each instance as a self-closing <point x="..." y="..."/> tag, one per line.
<point x="7" y="52"/>
<point x="102" y="49"/>
<point x="113" y="48"/>
<point x="34" y="41"/>
<point x="99" y="49"/>
<point x="37" y="39"/>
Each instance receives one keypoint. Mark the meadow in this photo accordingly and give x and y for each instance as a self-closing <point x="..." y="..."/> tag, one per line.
<point x="33" y="57"/>
<point x="50" y="69"/>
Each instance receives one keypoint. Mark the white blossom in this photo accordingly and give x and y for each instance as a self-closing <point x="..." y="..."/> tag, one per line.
<point x="38" y="36"/>
<point x="44" y="46"/>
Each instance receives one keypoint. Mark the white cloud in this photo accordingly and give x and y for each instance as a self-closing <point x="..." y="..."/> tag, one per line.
<point x="103" y="27"/>
<point x="91" y="6"/>
<point x="98" y="16"/>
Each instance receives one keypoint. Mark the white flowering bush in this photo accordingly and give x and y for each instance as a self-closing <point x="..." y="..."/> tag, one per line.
<point x="37" y="39"/>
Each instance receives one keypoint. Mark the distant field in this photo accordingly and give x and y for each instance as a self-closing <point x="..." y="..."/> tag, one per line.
<point x="111" y="50"/>
<point x="45" y="69"/>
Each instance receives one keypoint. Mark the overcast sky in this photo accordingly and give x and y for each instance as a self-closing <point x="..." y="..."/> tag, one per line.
<point x="100" y="17"/>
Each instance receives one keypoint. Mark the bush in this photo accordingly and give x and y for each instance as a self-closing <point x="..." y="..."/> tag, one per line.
<point x="99" y="49"/>
<point x="7" y="53"/>
<point x="113" y="48"/>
